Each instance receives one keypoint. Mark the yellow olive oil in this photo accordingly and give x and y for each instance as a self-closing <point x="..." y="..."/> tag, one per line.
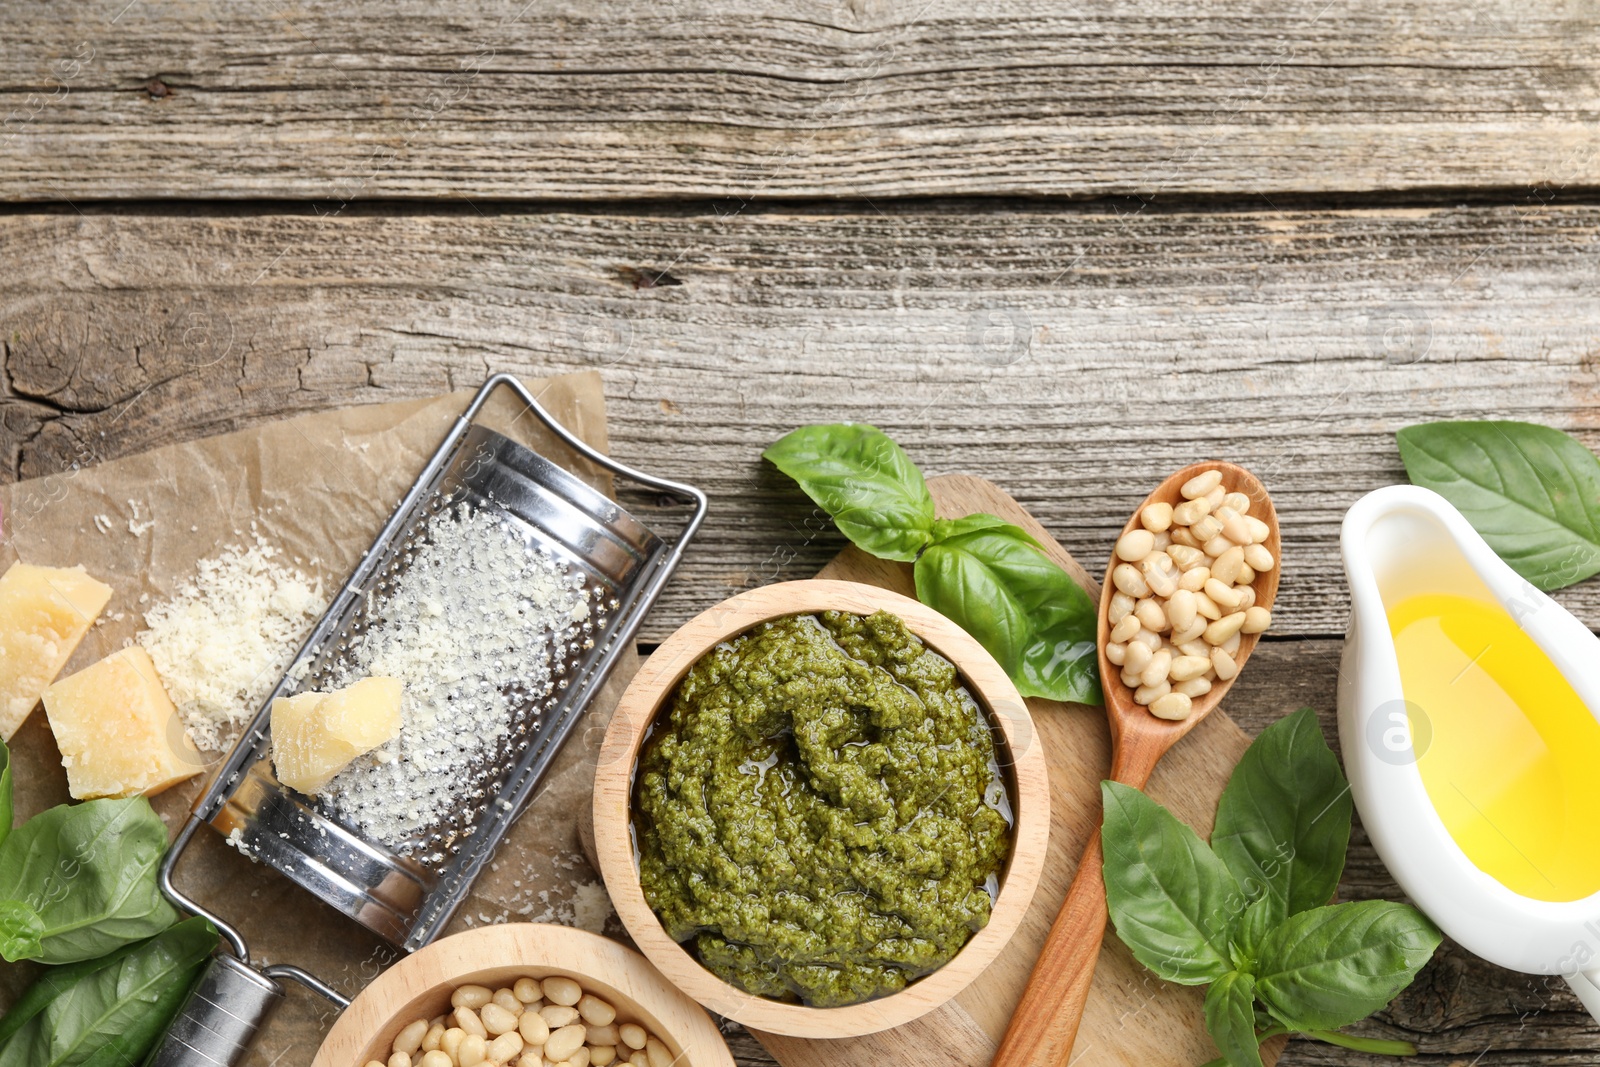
<point x="1509" y="752"/>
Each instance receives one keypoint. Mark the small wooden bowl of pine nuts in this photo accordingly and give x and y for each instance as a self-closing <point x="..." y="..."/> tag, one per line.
<point x="523" y="995"/>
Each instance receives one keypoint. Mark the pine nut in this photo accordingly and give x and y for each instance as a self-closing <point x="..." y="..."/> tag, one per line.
<point x="558" y="1015"/>
<point x="1226" y="568"/>
<point x="1117" y="654"/>
<point x="564" y="1042"/>
<point x="496" y="1020"/>
<point x="1194" y="687"/>
<point x="400" y="1059"/>
<point x="602" y="1055"/>
<point x="1123" y="631"/>
<point x="450" y="1043"/>
<point x="1160" y="574"/>
<point x="1150" y="616"/>
<point x="505" y="1046"/>
<point x="1185" y="668"/>
<point x="595" y="1011"/>
<point x="1224" y="665"/>
<point x="1138" y="657"/>
<point x="1148" y="638"/>
<point x="1156" y="670"/>
<point x="1122" y="606"/>
<point x="579" y="1058"/>
<point x="1156" y="517"/>
<point x="1215" y="498"/>
<point x="1238" y="502"/>
<point x="1126" y="577"/>
<point x="1247" y="575"/>
<point x="1247" y="597"/>
<point x="1186" y="557"/>
<point x="1217" y="545"/>
<point x="508" y="1000"/>
<point x="469" y="1022"/>
<point x="639" y="1059"/>
<point x="1189" y="512"/>
<point x="560" y="990"/>
<point x="1194" y="580"/>
<point x="1201" y="484"/>
<point x="1207" y="607"/>
<point x="1259" y="558"/>
<point x="1130" y="678"/>
<point x="471" y="996"/>
<point x="409" y="1039"/>
<point x="1135" y="545"/>
<point x="1192" y="632"/>
<point x="1256" y="620"/>
<point x="1196" y="647"/>
<point x="434" y="1036"/>
<point x="1205" y="529"/>
<point x="602" y="1035"/>
<point x="659" y="1055"/>
<point x="533" y="1028"/>
<point x="1173" y="706"/>
<point x="1259" y="531"/>
<point x="1231" y="645"/>
<point x="633" y="1035"/>
<point x="1234" y="527"/>
<point x="1222" y="595"/>
<point x="474" y="1050"/>
<point x="527" y="991"/>
<point x="1146" y="695"/>
<point x="1224" y="628"/>
<point x="1180" y="611"/>
<point x="1182" y="536"/>
<point x="530" y="1059"/>
<point x="436" y="1058"/>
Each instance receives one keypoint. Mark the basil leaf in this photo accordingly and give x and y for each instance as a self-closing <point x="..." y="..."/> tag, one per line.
<point x="1335" y="965"/>
<point x="1258" y="919"/>
<point x="1283" y="823"/>
<point x="115" y="1013"/>
<point x="87" y="872"/>
<point x="1173" y="902"/>
<point x="49" y="986"/>
<point x="945" y="529"/>
<point x="1532" y="492"/>
<point x="1231" y="1019"/>
<point x="7" y="812"/>
<point x="876" y="495"/>
<point x="996" y="583"/>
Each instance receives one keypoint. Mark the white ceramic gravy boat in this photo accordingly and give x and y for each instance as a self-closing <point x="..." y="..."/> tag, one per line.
<point x="1404" y="540"/>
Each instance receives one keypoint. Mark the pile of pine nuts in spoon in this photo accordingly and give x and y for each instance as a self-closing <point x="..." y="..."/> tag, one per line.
<point x="1184" y="595"/>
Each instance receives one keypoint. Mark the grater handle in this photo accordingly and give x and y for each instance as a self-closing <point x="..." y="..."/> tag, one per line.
<point x="220" y="1017"/>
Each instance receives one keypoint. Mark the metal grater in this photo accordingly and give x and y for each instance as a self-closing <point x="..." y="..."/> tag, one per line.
<point x="408" y="893"/>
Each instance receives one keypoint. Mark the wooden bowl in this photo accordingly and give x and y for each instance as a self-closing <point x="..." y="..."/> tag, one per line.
<point x="1022" y="754"/>
<point x="419" y="987"/>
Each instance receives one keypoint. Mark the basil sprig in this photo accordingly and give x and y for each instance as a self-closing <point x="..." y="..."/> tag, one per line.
<point x="1248" y="914"/>
<point x="79" y="880"/>
<point x="985" y="574"/>
<point x="1531" y="491"/>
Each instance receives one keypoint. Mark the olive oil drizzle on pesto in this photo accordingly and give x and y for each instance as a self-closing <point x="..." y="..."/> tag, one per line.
<point x="819" y="810"/>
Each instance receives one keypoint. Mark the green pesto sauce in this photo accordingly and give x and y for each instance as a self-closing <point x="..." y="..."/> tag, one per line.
<point x="819" y="812"/>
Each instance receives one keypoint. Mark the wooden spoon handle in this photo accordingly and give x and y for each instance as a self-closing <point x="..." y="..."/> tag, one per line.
<point x="1045" y="1023"/>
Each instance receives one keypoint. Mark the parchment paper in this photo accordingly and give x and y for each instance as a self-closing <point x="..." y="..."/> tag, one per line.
<point x="319" y="487"/>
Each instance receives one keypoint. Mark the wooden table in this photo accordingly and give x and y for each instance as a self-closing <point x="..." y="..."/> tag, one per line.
<point x="1065" y="246"/>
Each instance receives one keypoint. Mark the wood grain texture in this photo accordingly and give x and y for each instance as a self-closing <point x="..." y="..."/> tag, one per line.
<point x="419" y="987"/>
<point x="330" y="100"/>
<point x="641" y="706"/>
<point x="1072" y="355"/>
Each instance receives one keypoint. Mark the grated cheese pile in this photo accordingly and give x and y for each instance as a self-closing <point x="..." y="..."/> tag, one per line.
<point x="223" y="640"/>
<point x="476" y="622"/>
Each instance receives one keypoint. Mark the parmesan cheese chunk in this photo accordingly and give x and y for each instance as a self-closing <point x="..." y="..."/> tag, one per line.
<point x="117" y="729"/>
<point x="44" y="613"/>
<point x="317" y="735"/>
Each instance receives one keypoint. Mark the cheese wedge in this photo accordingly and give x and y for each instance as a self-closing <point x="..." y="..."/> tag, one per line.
<point x="117" y="729"/>
<point x="317" y="735"/>
<point x="44" y="613"/>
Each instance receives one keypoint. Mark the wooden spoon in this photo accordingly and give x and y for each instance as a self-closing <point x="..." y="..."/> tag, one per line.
<point x="1045" y="1023"/>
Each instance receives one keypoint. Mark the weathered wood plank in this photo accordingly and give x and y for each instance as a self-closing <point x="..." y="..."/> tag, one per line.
<point x="1072" y="356"/>
<point x="331" y="100"/>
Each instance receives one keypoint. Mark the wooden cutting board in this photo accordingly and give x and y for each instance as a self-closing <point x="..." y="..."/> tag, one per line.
<point x="1132" y="1017"/>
